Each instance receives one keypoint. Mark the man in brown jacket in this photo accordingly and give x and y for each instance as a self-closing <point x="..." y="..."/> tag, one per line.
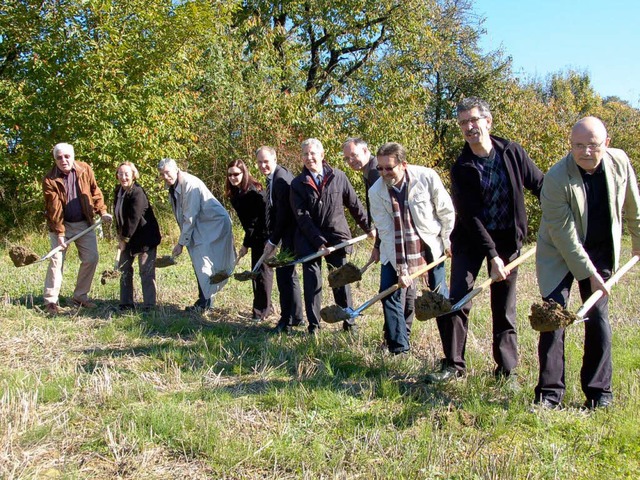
<point x="72" y="199"/>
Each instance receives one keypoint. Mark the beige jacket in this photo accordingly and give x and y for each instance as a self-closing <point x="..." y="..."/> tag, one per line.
<point x="564" y="218"/>
<point x="431" y="210"/>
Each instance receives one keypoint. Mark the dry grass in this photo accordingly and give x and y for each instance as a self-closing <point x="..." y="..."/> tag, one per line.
<point x="172" y="395"/>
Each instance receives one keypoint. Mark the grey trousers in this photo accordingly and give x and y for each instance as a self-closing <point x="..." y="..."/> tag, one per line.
<point x="87" y="246"/>
<point x="147" y="267"/>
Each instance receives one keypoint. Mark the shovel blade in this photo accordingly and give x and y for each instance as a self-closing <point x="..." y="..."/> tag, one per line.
<point x="466" y="299"/>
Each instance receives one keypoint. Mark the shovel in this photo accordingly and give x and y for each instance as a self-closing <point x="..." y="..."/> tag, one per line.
<point x="347" y="274"/>
<point x="469" y="296"/>
<point x="222" y="274"/>
<point x="111" y="274"/>
<point x="334" y="313"/>
<point x="550" y="316"/>
<point x="67" y="242"/>
<point x="253" y="273"/>
<point x="327" y="251"/>
<point x="595" y="296"/>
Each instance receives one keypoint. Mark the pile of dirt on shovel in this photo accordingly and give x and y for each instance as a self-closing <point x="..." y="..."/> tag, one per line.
<point x="244" y="276"/>
<point x="219" y="276"/>
<point x="431" y="304"/>
<point x="333" y="314"/>
<point x="344" y="275"/>
<point x="21" y="256"/>
<point x="550" y="316"/>
<point x="165" y="261"/>
<point x="109" y="275"/>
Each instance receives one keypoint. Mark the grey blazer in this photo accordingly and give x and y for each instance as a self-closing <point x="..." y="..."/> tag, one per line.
<point x="564" y="218"/>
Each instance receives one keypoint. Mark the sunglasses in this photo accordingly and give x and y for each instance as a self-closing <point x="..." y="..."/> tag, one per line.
<point x="235" y="174"/>
<point x="386" y="169"/>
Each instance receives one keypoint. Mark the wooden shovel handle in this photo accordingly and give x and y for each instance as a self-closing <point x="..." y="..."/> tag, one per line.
<point x="71" y="240"/>
<point x="329" y="250"/>
<point x="595" y="296"/>
<point x="395" y="287"/>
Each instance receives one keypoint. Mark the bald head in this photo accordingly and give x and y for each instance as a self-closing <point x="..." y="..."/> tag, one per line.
<point x="589" y="142"/>
<point x="591" y="125"/>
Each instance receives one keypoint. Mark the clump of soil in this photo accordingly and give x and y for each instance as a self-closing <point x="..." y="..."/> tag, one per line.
<point x="333" y="314"/>
<point x="246" y="275"/>
<point x="218" y="277"/>
<point x="109" y="275"/>
<point x="282" y="258"/>
<point x="344" y="275"/>
<point x="550" y="316"/>
<point x="165" y="261"/>
<point x="21" y="256"/>
<point x="431" y="304"/>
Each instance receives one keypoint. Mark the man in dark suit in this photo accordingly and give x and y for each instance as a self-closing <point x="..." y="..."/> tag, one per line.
<point x="281" y="227"/>
<point x="319" y="196"/>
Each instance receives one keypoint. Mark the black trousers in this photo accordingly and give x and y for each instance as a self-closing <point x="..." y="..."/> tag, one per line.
<point x="312" y="282"/>
<point x="290" y="296"/>
<point x="453" y="327"/>
<point x="596" y="372"/>
<point x="262" y="285"/>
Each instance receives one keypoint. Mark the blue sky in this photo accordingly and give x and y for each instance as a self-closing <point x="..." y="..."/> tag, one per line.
<point x="546" y="36"/>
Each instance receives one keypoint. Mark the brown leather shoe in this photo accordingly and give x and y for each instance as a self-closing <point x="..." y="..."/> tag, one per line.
<point x="84" y="303"/>
<point x="52" y="309"/>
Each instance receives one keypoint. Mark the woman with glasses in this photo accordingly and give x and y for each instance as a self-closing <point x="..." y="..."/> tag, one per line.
<point x="138" y="235"/>
<point x="248" y="200"/>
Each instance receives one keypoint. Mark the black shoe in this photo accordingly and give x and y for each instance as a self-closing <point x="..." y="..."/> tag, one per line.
<point x="126" y="307"/>
<point x="199" y="306"/>
<point x="281" y="328"/>
<point x="314" y="331"/>
<point x="401" y="352"/>
<point x="545" y="404"/>
<point x="600" y="403"/>
<point x="445" y="374"/>
<point x="350" y="327"/>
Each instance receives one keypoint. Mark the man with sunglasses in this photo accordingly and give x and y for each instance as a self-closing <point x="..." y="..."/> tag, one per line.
<point x="585" y="198"/>
<point x="414" y="216"/>
<point x="487" y="181"/>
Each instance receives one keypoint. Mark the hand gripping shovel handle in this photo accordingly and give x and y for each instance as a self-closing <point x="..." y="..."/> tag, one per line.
<point x="467" y="298"/>
<point x="595" y="296"/>
<point x="329" y="250"/>
<point x="395" y="287"/>
<point x="71" y="240"/>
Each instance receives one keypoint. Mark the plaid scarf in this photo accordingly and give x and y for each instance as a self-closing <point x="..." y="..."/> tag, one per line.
<point x="410" y="255"/>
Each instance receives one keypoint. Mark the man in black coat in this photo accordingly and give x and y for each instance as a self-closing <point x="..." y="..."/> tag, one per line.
<point x="281" y="227"/>
<point x="487" y="181"/>
<point x="318" y="198"/>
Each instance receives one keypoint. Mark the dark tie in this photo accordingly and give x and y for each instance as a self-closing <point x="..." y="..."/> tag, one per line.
<point x="268" y="204"/>
<point x="319" y="180"/>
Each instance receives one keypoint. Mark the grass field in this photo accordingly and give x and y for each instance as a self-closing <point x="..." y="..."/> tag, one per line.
<point x="169" y="395"/>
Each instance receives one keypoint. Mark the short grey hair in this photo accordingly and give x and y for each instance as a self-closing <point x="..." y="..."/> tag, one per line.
<point x="167" y="162"/>
<point x="357" y="141"/>
<point x="393" y="149"/>
<point x="61" y="146"/>
<point x="470" y="103"/>
<point x="314" y="142"/>
<point x="266" y="148"/>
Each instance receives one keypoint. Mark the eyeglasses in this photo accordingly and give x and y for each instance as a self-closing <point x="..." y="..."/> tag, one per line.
<point x="386" y="169"/>
<point x="234" y="174"/>
<point x="587" y="146"/>
<point x="464" y="123"/>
